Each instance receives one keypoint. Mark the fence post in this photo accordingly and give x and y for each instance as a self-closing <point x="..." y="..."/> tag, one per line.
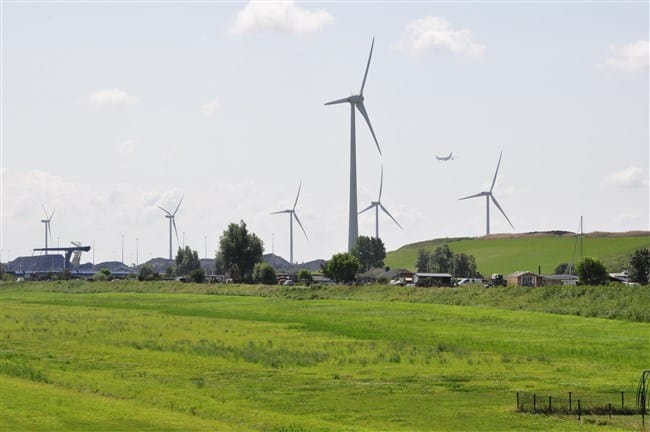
<point x="570" y="403"/>
<point x="579" y="410"/>
<point x="623" y="401"/>
<point x="609" y="409"/>
<point x="550" y="410"/>
<point x="534" y="403"/>
<point x="517" y="401"/>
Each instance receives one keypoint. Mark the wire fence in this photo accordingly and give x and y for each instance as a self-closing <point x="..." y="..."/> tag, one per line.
<point x="572" y="403"/>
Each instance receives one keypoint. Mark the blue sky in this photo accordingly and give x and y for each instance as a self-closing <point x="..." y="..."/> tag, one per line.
<point x="112" y="109"/>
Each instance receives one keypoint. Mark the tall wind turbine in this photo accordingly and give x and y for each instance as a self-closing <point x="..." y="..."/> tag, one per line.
<point x="377" y="205"/>
<point x="48" y="229"/>
<point x="489" y="195"/>
<point x="356" y="101"/>
<point x="172" y="221"/>
<point x="292" y="215"/>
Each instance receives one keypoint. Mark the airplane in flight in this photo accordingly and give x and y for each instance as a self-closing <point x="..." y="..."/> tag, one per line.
<point x="445" y="158"/>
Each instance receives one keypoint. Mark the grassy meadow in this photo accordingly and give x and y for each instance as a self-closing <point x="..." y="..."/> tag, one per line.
<point x="507" y="254"/>
<point x="168" y="356"/>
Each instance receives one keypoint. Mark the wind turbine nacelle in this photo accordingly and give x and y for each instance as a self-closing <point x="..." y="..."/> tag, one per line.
<point x="356" y="99"/>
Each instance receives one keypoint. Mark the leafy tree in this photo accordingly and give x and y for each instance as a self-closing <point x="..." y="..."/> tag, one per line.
<point x="197" y="275"/>
<point x="186" y="261"/>
<point x="264" y="273"/>
<point x="463" y="265"/>
<point x="592" y="272"/>
<point x="147" y="273"/>
<point x="423" y="261"/>
<point x="640" y="266"/>
<point x="441" y="260"/>
<point x="305" y="276"/>
<point x="341" y="267"/>
<point x="218" y="265"/>
<point x="370" y="252"/>
<point x="564" y="268"/>
<point x="240" y="251"/>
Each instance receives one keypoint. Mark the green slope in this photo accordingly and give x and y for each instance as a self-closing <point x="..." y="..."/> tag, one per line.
<point x="501" y="254"/>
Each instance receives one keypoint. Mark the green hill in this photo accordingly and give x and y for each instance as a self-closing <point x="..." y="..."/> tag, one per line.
<point x="509" y="253"/>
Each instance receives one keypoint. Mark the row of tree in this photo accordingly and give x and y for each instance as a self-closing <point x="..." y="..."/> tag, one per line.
<point x="443" y="260"/>
<point x="591" y="271"/>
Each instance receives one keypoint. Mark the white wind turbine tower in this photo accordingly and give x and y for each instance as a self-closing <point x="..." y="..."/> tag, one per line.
<point x="489" y="195"/>
<point x="172" y="221"/>
<point x="292" y="215"/>
<point x="356" y="101"/>
<point x="48" y="229"/>
<point x="377" y="205"/>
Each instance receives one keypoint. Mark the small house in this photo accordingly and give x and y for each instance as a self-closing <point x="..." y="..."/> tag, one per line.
<point x="524" y="278"/>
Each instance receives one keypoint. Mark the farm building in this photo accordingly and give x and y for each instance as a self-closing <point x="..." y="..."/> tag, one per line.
<point x="524" y="278"/>
<point x="561" y="279"/>
<point x="432" y="279"/>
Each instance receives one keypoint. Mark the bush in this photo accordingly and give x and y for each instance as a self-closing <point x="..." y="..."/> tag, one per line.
<point x="197" y="275"/>
<point x="103" y="275"/>
<point x="592" y="272"/>
<point x="264" y="273"/>
<point x="148" y="274"/>
<point x="305" y="276"/>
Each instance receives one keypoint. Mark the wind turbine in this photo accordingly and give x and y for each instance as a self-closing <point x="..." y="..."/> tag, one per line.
<point x="377" y="205"/>
<point x="356" y="101"/>
<point x="489" y="195"/>
<point x="48" y="229"/>
<point x="292" y="215"/>
<point x="172" y="221"/>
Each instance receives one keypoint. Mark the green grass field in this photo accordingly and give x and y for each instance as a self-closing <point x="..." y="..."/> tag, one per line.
<point x="167" y="356"/>
<point x="528" y="252"/>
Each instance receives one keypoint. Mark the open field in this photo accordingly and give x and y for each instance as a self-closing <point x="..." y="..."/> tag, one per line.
<point x="168" y="358"/>
<point x="507" y="254"/>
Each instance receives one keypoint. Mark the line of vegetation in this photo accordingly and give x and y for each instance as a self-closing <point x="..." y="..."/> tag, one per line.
<point x="615" y="301"/>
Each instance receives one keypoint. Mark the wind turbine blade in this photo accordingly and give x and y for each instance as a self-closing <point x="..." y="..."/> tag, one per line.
<point x="178" y="206"/>
<point x="367" y="208"/>
<point x="496" y="203"/>
<point x="364" y="113"/>
<point x="381" y="183"/>
<point x="44" y="210"/>
<point x="282" y="211"/>
<point x="496" y="172"/>
<point x="338" y="101"/>
<point x="176" y="231"/>
<point x="473" y="196"/>
<point x="363" y="84"/>
<point x="52" y="214"/>
<point x="297" y="195"/>
<point x="391" y="216"/>
<point x="164" y="210"/>
<point x="301" y="227"/>
<point x="49" y="229"/>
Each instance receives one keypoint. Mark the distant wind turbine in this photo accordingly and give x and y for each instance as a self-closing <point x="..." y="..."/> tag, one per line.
<point x="356" y="101"/>
<point x="489" y="195"/>
<point x="377" y="205"/>
<point x="172" y="222"/>
<point x="48" y="228"/>
<point x="292" y="215"/>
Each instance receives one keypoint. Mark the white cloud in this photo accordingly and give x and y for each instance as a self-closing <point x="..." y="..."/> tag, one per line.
<point x="278" y="16"/>
<point x="630" y="177"/>
<point x="631" y="57"/>
<point x="435" y="34"/>
<point x="210" y="108"/>
<point x="111" y="97"/>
